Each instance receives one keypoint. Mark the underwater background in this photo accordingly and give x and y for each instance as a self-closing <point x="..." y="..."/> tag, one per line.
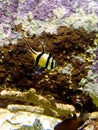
<point x="68" y="30"/>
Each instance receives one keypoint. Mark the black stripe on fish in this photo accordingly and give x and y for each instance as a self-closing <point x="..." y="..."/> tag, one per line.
<point x="48" y="60"/>
<point x="52" y="64"/>
<point x="38" y="58"/>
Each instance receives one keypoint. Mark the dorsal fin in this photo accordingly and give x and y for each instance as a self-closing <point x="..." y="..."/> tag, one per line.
<point x="29" y="46"/>
<point x="43" y="50"/>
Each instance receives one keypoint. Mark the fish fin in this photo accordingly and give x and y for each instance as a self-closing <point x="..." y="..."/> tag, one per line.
<point x="40" y="69"/>
<point x="28" y="44"/>
<point x="43" y="49"/>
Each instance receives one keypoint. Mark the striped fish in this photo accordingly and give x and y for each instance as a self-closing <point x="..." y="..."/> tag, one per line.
<point x="42" y="59"/>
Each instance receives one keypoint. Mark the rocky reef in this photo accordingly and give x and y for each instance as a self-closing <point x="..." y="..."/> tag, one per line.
<point x="68" y="30"/>
<point x="73" y="50"/>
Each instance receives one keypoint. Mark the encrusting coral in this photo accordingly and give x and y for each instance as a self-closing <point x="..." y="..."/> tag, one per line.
<point x="46" y="106"/>
<point x="73" y="81"/>
<point x="70" y="48"/>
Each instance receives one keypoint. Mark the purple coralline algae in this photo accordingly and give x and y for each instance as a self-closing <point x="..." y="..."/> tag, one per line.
<point x="42" y="10"/>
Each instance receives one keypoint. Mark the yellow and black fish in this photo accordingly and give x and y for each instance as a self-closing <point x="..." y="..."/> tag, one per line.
<point x="42" y="59"/>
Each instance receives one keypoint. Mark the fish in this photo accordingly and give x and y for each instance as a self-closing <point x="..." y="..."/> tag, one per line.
<point x="42" y="59"/>
<point x="73" y="123"/>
